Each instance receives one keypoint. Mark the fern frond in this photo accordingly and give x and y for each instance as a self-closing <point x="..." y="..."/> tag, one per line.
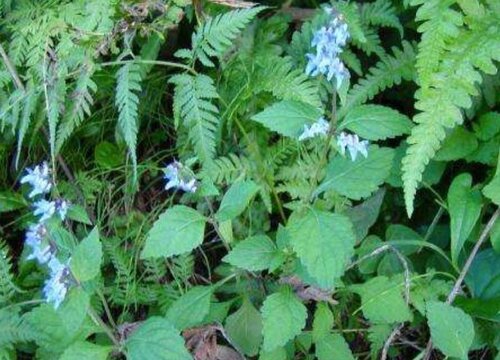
<point x="225" y="170"/>
<point x="127" y="101"/>
<point x="182" y="267"/>
<point x="371" y="44"/>
<point x="29" y="105"/>
<point x="80" y="102"/>
<point x="278" y="76"/>
<point x="13" y="329"/>
<point x="381" y="13"/>
<point x="192" y="105"/>
<point x="7" y="286"/>
<point x="450" y="90"/>
<point x="216" y="35"/>
<point x="389" y="71"/>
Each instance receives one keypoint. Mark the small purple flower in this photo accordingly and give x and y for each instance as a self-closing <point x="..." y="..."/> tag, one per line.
<point x="353" y="145"/>
<point x="57" y="285"/>
<point x="320" y="127"/>
<point x="177" y="177"/>
<point x="39" y="179"/>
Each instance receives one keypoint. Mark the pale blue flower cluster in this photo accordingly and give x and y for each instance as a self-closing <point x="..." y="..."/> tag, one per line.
<point x="329" y="42"/>
<point x="178" y="177"/>
<point x="353" y="144"/>
<point x="57" y="285"/>
<point x="319" y="128"/>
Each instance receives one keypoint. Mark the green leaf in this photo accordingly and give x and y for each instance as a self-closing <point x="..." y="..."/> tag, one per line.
<point x="376" y="122"/>
<point x="156" y="339"/>
<point x="324" y="243"/>
<point x="276" y="354"/>
<point x="179" y="229"/>
<point x="358" y="179"/>
<point x="191" y="308"/>
<point x="244" y="328"/>
<point x="333" y="346"/>
<point x="86" y="260"/>
<point x="483" y="278"/>
<point x="254" y="254"/>
<point x="364" y="215"/>
<point x="487" y="126"/>
<point x="83" y="350"/>
<point x="377" y="335"/>
<point x="236" y="199"/>
<point x="108" y="155"/>
<point x="492" y="189"/>
<point x="452" y="330"/>
<point x="284" y="317"/>
<point x="288" y="117"/>
<point x="10" y="201"/>
<point x="79" y="214"/>
<point x="382" y="300"/>
<point x="464" y="207"/>
<point x="322" y="323"/>
<point x="457" y="145"/>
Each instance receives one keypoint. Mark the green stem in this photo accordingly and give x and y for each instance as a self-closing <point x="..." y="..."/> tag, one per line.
<point x="150" y="62"/>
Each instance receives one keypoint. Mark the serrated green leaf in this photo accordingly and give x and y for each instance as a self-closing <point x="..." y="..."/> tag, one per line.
<point x="376" y="122"/>
<point x="191" y="308"/>
<point x="284" y="317"/>
<point x="255" y="253"/>
<point x="10" y="201"/>
<point x="236" y="199"/>
<point x="464" y="207"/>
<point x="492" y="189"/>
<point x="108" y="155"/>
<point x="156" y="339"/>
<point x="483" y="278"/>
<point x="83" y="350"/>
<point x="178" y="230"/>
<point x="244" y="328"/>
<point x="452" y="330"/>
<point x="378" y="334"/>
<point x="382" y="300"/>
<point x="364" y="215"/>
<point x="322" y="323"/>
<point x="457" y="145"/>
<point x="323" y="241"/>
<point x="79" y="214"/>
<point x="87" y="258"/>
<point x="333" y="346"/>
<point x="487" y="126"/>
<point x="358" y="179"/>
<point x="288" y="117"/>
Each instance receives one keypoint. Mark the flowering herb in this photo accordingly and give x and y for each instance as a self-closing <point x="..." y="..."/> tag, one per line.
<point x="178" y="176"/>
<point x="39" y="179"/>
<point x="320" y="127"/>
<point x="353" y="145"/>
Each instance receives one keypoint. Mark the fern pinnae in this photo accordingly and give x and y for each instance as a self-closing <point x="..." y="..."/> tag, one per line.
<point x="128" y="85"/>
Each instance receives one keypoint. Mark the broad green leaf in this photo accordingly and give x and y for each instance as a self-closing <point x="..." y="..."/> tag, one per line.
<point x="83" y="350"/>
<point x="483" y="277"/>
<point x="376" y="122"/>
<point x="323" y="241"/>
<point x="364" y="215"/>
<point x="377" y="335"/>
<point x="236" y="199"/>
<point x="495" y="237"/>
<point x="333" y="346"/>
<point x="452" y="330"/>
<point x="492" y="189"/>
<point x="179" y="230"/>
<point x="191" y="308"/>
<point x="288" y="117"/>
<point x="369" y="244"/>
<point x="487" y="126"/>
<point x="254" y="254"/>
<point x="358" y="179"/>
<point x="457" y="145"/>
<point x="398" y="232"/>
<point x="73" y="310"/>
<point x="156" y="339"/>
<point x="322" y="323"/>
<point x="10" y="201"/>
<point x="86" y="260"/>
<point x="78" y="213"/>
<point x="276" y="354"/>
<point x="108" y="155"/>
<point x="244" y="328"/>
<point x="464" y="207"/>
<point x="382" y="300"/>
<point x="428" y="289"/>
<point x="284" y="317"/>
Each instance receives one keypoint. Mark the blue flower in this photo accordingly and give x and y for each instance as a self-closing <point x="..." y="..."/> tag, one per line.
<point x="177" y="177"/>
<point x="47" y="209"/>
<point x="353" y="145"/>
<point x="57" y="285"/>
<point x="320" y="127"/>
<point x="329" y="42"/>
<point x="39" y="179"/>
<point x="40" y="251"/>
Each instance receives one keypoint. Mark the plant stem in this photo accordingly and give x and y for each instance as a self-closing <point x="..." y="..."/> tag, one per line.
<point x="458" y="284"/>
<point x="150" y="62"/>
<point x="97" y="319"/>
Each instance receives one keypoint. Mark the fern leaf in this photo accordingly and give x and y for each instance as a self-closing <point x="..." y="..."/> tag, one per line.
<point x="216" y="35"/>
<point x="7" y="286"/>
<point x="80" y="102"/>
<point x="381" y="13"/>
<point x="225" y="170"/>
<point x="193" y="106"/>
<point x="441" y="102"/>
<point x="386" y="73"/>
<point x="127" y="101"/>
<point x="29" y="104"/>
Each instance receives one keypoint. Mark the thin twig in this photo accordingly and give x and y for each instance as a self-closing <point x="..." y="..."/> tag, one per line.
<point x="458" y="284"/>
<point x="11" y="69"/>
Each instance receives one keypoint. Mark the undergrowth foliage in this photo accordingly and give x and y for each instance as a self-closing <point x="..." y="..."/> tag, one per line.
<point x="220" y="180"/>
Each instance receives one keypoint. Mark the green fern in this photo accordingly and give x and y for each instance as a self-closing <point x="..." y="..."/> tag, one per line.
<point x="389" y="71"/>
<point x="13" y="329"/>
<point x="127" y="101"/>
<point x="193" y="106"/>
<point x="7" y="286"/>
<point x="449" y="90"/>
<point x="216" y="35"/>
<point x="225" y="170"/>
<point x="381" y="13"/>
